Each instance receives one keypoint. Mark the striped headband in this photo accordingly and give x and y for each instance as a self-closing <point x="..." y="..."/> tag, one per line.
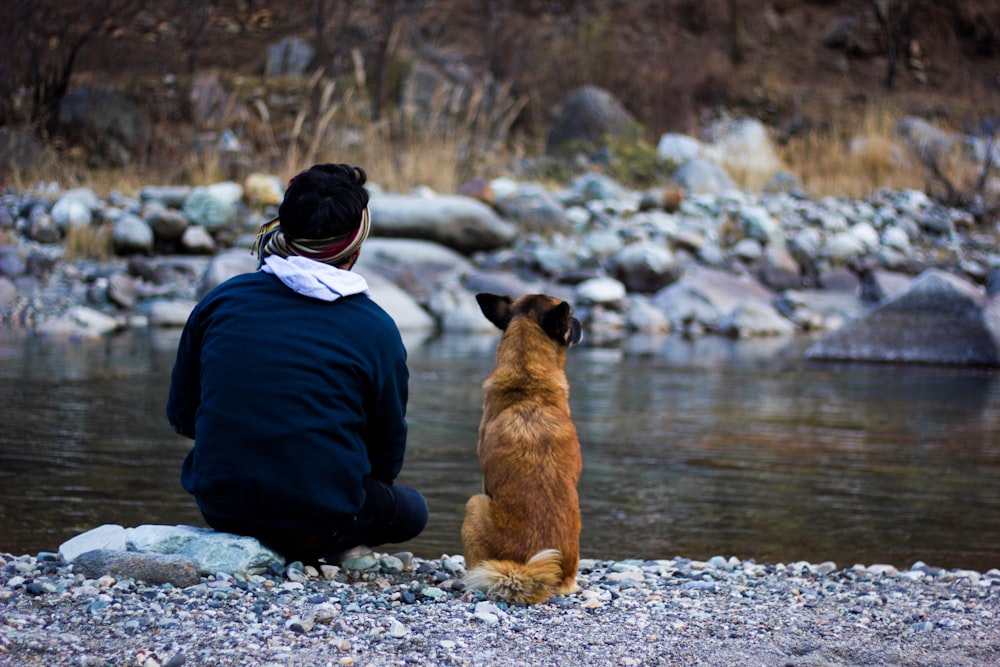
<point x="332" y="250"/>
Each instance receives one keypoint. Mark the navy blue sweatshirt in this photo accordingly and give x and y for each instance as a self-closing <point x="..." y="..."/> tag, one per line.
<point x="290" y="400"/>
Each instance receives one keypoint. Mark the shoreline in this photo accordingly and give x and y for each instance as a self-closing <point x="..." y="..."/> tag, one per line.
<point x="628" y="612"/>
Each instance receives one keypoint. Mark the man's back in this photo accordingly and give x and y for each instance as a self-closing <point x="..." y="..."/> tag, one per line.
<point x="299" y="399"/>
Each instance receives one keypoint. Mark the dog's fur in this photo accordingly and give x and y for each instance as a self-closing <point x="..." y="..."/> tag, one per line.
<point x="521" y="536"/>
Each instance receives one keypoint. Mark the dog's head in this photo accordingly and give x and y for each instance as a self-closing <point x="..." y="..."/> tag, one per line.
<point x="553" y="316"/>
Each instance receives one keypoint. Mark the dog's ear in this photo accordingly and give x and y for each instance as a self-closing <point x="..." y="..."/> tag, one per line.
<point x="560" y="324"/>
<point x="496" y="308"/>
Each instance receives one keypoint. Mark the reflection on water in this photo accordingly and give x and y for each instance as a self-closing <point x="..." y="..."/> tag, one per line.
<point x="691" y="448"/>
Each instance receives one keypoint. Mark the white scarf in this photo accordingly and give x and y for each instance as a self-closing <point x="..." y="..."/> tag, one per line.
<point x="314" y="279"/>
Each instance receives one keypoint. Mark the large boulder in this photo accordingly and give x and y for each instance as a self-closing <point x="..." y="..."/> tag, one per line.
<point x="111" y="129"/>
<point x="590" y="114"/>
<point x="461" y="223"/>
<point x="719" y="301"/>
<point x="742" y="146"/>
<point x="418" y="267"/>
<point x="408" y="315"/>
<point x="939" y="319"/>
<point x="211" y="551"/>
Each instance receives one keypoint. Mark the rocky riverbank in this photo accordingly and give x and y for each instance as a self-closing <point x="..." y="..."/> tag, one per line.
<point x="404" y="610"/>
<point x="722" y="262"/>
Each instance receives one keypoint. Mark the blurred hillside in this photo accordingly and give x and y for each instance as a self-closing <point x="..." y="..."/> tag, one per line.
<point x="198" y="65"/>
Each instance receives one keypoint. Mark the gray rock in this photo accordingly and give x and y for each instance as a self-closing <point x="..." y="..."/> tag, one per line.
<point x="107" y="537"/>
<point x="866" y="234"/>
<point x="590" y="114"/>
<point x="151" y="568"/>
<point x="704" y="296"/>
<point x="645" y="266"/>
<point x="403" y="308"/>
<point x="927" y="140"/>
<point x="461" y="223"/>
<point x="742" y="145"/>
<point x="44" y="230"/>
<point x="224" y="266"/>
<point x="896" y="238"/>
<point x="602" y="243"/>
<point x="643" y="317"/>
<point x="840" y="279"/>
<point x="213" y="206"/>
<point x="780" y="270"/>
<point x="8" y="295"/>
<point x="532" y="208"/>
<point x="131" y="234"/>
<point x="168" y="313"/>
<point x="678" y="148"/>
<point x="12" y="262"/>
<point x="878" y="285"/>
<point x="122" y="291"/>
<point x="79" y="322"/>
<point x="196" y="240"/>
<point x="755" y="319"/>
<point x="812" y="309"/>
<point x="601" y="291"/>
<point x="170" y="196"/>
<point x="418" y="267"/>
<point x="75" y="208"/>
<point x="458" y="311"/>
<point x="593" y="186"/>
<point x="168" y="224"/>
<point x="760" y="225"/>
<point x="748" y="250"/>
<point x="940" y="319"/>
<point x="805" y="246"/>
<point x="210" y="550"/>
<point x="700" y="176"/>
<point x="844" y="247"/>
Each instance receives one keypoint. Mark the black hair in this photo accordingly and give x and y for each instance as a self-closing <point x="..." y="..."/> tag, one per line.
<point x="324" y="201"/>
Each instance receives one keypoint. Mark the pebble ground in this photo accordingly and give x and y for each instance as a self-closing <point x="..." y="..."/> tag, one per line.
<point x="409" y="611"/>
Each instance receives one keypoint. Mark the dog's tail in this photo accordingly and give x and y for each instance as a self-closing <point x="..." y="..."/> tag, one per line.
<point x="519" y="583"/>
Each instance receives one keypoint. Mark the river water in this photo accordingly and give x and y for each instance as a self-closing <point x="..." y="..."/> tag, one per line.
<point x="691" y="448"/>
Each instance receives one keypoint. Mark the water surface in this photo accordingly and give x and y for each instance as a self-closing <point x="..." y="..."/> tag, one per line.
<point x="691" y="448"/>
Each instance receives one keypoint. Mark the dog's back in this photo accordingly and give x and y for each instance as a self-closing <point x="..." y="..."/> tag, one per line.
<point x="521" y="535"/>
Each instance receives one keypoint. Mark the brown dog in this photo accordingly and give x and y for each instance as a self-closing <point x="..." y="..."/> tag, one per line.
<point x="522" y="534"/>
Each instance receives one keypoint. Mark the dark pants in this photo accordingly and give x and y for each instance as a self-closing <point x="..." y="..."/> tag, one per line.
<point x="390" y="515"/>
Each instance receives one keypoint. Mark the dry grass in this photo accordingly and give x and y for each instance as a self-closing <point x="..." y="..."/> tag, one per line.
<point x="455" y="135"/>
<point x="857" y="155"/>
<point x="91" y="242"/>
<point x="450" y="138"/>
